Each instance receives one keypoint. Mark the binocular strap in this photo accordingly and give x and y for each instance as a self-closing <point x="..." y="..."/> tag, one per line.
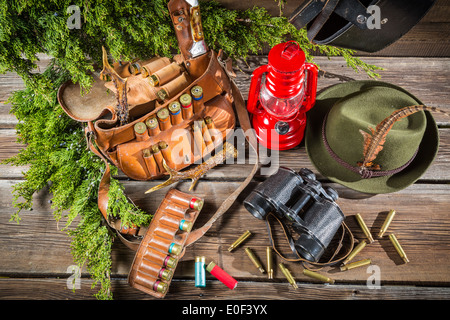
<point x="331" y="261"/>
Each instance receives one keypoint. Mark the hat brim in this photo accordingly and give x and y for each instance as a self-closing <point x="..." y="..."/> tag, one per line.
<point x="329" y="168"/>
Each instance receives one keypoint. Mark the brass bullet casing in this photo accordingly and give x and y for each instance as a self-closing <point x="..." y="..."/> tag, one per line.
<point x="186" y="106"/>
<point x="140" y="130"/>
<point x="150" y="162"/>
<point x="355" y="251"/>
<point x="186" y="225"/>
<point x="386" y="223"/>
<point x="364" y="228"/>
<point x="398" y="248"/>
<point x="356" y="264"/>
<point x="175" y="249"/>
<point x="255" y="260"/>
<point x="165" y="274"/>
<point x="153" y="65"/>
<point x="170" y="262"/>
<point x="206" y="136"/>
<point x="269" y="262"/>
<point x="199" y="142"/>
<point x="175" y="113"/>
<point x="166" y="152"/>
<point x="317" y="276"/>
<point x="239" y="240"/>
<point x="196" y="204"/>
<point x="163" y="118"/>
<point x="197" y="95"/>
<point x="215" y="134"/>
<point x="160" y="287"/>
<point x="153" y="126"/>
<point x="164" y="75"/>
<point x="158" y="157"/>
<point x="288" y="276"/>
<point x="173" y="87"/>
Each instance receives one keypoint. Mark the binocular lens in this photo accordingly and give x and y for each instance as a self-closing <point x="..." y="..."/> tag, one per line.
<point x="257" y="205"/>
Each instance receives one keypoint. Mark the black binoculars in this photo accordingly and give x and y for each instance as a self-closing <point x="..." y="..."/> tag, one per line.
<point x="302" y="200"/>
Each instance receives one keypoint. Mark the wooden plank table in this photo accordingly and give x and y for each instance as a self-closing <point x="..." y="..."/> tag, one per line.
<point x="36" y="260"/>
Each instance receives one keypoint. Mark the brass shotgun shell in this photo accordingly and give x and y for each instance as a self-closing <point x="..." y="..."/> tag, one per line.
<point x="356" y="264"/>
<point x="364" y="228"/>
<point x="317" y="276"/>
<point x="239" y="240"/>
<point x="175" y="113"/>
<point x="163" y="118"/>
<point x="398" y="248"/>
<point x="288" y="275"/>
<point x="255" y="260"/>
<point x="355" y="251"/>
<point x="269" y="262"/>
<point x="153" y="126"/>
<point x="386" y="223"/>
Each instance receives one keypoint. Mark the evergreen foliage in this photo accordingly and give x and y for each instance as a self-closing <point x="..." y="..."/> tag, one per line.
<point x="55" y="144"/>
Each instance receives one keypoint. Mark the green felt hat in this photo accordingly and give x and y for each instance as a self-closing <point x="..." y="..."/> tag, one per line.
<point x="335" y="145"/>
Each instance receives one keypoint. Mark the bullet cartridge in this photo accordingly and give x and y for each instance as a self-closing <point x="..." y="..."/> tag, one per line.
<point x="356" y="264"/>
<point x="197" y="95"/>
<point x="153" y="126"/>
<point x="175" y="113"/>
<point x="186" y="106"/>
<point x="269" y="262"/>
<point x="398" y="248"/>
<point x="317" y="276"/>
<point x="163" y="118"/>
<point x="255" y="260"/>
<point x="140" y="130"/>
<point x="158" y="157"/>
<point x="364" y="228"/>
<point x="164" y="75"/>
<point x="288" y="276"/>
<point x="386" y="223"/>
<point x="239" y="240"/>
<point x="355" y="251"/>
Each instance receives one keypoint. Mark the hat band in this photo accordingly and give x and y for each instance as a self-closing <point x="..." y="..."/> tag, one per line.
<point x="362" y="171"/>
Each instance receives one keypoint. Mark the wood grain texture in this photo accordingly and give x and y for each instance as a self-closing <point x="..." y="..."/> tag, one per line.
<point x="51" y="289"/>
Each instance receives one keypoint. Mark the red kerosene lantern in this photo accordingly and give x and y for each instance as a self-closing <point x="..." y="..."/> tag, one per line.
<point x="279" y="102"/>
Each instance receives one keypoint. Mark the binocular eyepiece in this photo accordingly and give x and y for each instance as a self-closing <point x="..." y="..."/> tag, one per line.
<point x="302" y="200"/>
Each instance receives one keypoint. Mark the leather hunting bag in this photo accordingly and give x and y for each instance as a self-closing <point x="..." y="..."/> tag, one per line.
<point x="167" y="103"/>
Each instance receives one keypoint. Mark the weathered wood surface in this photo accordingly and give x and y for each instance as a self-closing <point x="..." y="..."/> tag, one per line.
<point x="35" y="254"/>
